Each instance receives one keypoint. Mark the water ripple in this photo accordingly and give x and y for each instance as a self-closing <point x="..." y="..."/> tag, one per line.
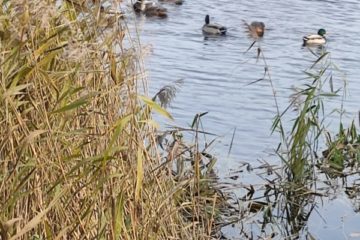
<point x="217" y="71"/>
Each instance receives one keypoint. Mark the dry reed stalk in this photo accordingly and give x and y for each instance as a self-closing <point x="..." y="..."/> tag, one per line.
<point x="76" y="145"/>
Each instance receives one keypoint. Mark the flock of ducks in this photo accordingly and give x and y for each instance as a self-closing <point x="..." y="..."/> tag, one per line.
<point x="256" y="29"/>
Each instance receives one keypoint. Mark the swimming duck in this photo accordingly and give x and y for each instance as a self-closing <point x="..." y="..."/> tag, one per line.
<point x="213" y="28"/>
<point x="315" y="39"/>
<point x="149" y="8"/>
<point x="156" y="11"/>
<point x="142" y="5"/>
<point x="177" y="2"/>
<point x="256" y="29"/>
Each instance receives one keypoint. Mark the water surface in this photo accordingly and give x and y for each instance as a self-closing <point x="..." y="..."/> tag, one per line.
<point x="217" y="71"/>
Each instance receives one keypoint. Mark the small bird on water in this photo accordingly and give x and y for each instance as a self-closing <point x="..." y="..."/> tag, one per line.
<point x="213" y="28"/>
<point x="315" y="39"/>
<point x="256" y="29"/>
<point x="149" y="8"/>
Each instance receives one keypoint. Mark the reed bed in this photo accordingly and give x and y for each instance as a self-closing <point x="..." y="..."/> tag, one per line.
<point x="78" y="146"/>
<point x="291" y="192"/>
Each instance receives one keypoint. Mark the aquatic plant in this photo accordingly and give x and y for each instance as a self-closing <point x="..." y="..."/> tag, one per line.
<point x="343" y="152"/>
<point x="207" y="201"/>
<point x="301" y="145"/>
<point x="285" y="202"/>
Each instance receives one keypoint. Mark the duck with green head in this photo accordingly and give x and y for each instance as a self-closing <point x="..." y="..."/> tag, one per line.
<point x="213" y="28"/>
<point x="315" y="39"/>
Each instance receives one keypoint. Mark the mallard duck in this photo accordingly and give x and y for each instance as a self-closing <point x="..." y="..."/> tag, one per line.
<point x="256" y="29"/>
<point x="177" y="2"/>
<point x="315" y="39"/>
<point x="156" y="11"/>
<point x="213" y="28"/>
<point x="149" y="8"/>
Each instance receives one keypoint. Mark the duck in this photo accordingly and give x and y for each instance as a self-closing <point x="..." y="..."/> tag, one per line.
<point x="213" y="28"/>
<point x="256" y="29"/>
<point x="315" y="39"/>
<point x="156" y="11"/>
<point x="142" y="5"/>
<point x="177" y="2"/>
<point x="149" y="8"/>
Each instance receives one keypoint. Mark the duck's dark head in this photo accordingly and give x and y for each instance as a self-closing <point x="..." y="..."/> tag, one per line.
<point x="322" y="32"/>
<point x="207" y="19"/>
<point x="137" y="6"/>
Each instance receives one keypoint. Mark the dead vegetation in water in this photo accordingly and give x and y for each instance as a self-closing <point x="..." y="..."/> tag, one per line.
<point x="280" y="207"/>
<point x="342" y="157"/>
<point x="208" y="200"/>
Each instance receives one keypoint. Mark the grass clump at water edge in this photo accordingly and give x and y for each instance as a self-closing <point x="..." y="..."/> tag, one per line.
<point x="77" y="147"/>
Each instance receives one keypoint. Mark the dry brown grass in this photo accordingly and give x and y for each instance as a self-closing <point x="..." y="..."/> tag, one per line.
<point x="76" y="145"/>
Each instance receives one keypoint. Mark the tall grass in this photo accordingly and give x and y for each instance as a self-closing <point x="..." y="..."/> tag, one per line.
<point x="299" y="149"/>
<point x="77" y="146"/>
<point x="290" y="196"/>
<point x="300" y="145"/>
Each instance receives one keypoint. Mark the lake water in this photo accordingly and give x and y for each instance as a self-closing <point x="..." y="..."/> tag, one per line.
<point x="216" y="72"/>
